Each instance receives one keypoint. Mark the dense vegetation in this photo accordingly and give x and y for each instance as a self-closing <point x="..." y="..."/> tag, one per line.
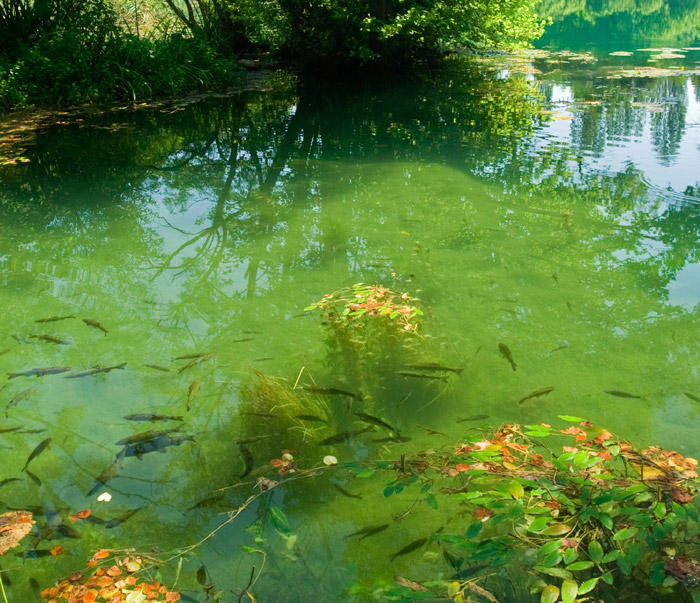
<point x="58" y="52"/>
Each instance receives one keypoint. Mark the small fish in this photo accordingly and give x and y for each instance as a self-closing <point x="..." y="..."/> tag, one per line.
<point x="55" y="318"/>
<point x="473" y="418"/>
<point x="197" y="360"/>
<point x="193" y="390"/>
<point x="37" y="451"/>
<point x="374" y="421"/>
<point x="613" y="392"/>
<point x="342" y="490"/>
<point x="158" y="444"/>
<point x="8" y="480"/>
<point x="536" y="394"/>
<point x="38" y="430"/>
<point x="94" y="324"/>
<point x="146" y="436"/>
<point x="393" y="438"/>
<point x="343" y="436"/>
<point x="108" y="473"/>
<point x="560" y="348"/>
<point x="9" y="429"/>
<point x="33" y="477"/>
<point x="23" y="395"/>
<point x="422" y="376"/>
<point x="247" y="459"/>
<point x="368" y="531"/>
<point x="158" y="368"/>
<point x="3" y="352"/>
<point x="505" y="350"/>
<point x="20" y="339"/>
<point x="117" y="521"/>
<point x="96" y="370"/>
<point x="208" y="501"/>
<point x="145" y="416"/>
<point x="555" y="277"/>
<point x="311" y="418"/>
<point x="244" y="339"/>
<point x="568" y="305"/>
<point x="432" y="366"/>
<point x="429" y="431"/>
<point x="202" y="575"/>
<point x="190" y="356"/>
<point x="263" y="359"/>
<point x="40" y="372"/>
<point x="50" y="339"/>
<point x="331" y="391"/>
<point x="409" y="548"/>
<point x="692" y="396"/>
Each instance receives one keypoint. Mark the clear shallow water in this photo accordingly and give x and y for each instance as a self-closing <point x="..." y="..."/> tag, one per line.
<point x="555" y="212"/>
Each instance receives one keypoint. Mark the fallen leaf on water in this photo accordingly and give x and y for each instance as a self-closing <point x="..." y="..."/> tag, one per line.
<point x="104" y="497"/>
<point x="414" y="586"/>
<point x="13" y="527"/>
<point x="57" y="550"/>
<point x="330" y="460"/>
<point x="80" y="515"/>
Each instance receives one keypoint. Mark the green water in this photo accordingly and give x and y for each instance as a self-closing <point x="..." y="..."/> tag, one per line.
<point x="571" y="237"/>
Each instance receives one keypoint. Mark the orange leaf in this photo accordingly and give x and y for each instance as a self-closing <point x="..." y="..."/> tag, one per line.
<point x="92" y="563"/>
<point x="80" y="515"/>
<point x="462" y="467"/>
<point x="89" y="596"/>
<point x="57" y="550"/>
<point x="171" y="597"/>
<point x="101" y="554"/>
<point x="103" y="581"/>
<point x="114" y="571"/>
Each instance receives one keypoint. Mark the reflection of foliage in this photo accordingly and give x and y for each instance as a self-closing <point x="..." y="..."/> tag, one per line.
<point x="598" y="511"/>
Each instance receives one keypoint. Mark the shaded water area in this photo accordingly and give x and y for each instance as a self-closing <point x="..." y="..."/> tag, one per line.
<point x="548" y="203"/>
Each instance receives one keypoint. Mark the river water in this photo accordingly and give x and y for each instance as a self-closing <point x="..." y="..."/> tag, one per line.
<point x="547" y="202"/>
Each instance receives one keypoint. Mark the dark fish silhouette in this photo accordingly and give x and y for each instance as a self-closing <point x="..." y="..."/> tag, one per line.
<point x="95" y="325"/>
<point x="508" y="355"/>
<point x="409" y="548"/>
<point x="536" y="394"/>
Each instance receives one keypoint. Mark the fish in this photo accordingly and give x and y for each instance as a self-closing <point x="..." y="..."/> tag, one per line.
<point x="113" y="523"/>
<point x="331" y="391"/>
<point x="108" y="473"/>
<point x="20" y="339"/>
<point x="343" y="436"/>
<point x="473" y="418"/>
<point x="197" y="360"/>
<point x="145" y="416"/>
<point x="190" y="356"/>
<point x="146" y="436"/>
<point x="158" y="444"/>
<point x="43" y="445"/>
<point x="9" y="429"/>
<point x="560" y="348"/>
<point x="374" y="421"/>
<point x="263" y="359"/>
<point x="619" y="394"/>
<point x="692" y="396"/>
<point x="8" y="480"/>
<point x="432" y="366"/>
<point x="209" y="500"/>
<point x="393" y="438"/>
<point x="37" y="430"/>
<point x="33" y="477"/>
<point x="50" y="339"/>
<point x="422" y="376"/>
<point x="55" y="318"/>
<point x="247" y="459"/>
<point x="244" y="339"/>
<point x="536" y="394"/>
<point x="344" y="492"/>
<point x="40" y="372"/>
<point x="409" y="548"/>
<point x="508" y="355"/>
<point x="95" y="370"/>
<point x="429" y="431"/>
<point x="158" y="368"/>
<point x="193" y="390"/>
<point x="311" y="418"/>
<point x="96" y="325"/>
<point x="3" y="352"/>
<point x="368" y="531"/>
<point x="23" y="395"/>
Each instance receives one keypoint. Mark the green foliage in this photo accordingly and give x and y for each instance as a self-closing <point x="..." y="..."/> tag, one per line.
<point x="367" y="30"/>
<point x="592" y="514"/>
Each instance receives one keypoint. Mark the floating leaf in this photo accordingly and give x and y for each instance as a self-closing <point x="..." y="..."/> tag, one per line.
<point x="516" y="490"/>
<point x="570" y="418"/>
<point x="569" y="590"/>
<point x="13" y="527"/>
<point x="550" y="594"/>
<point x="625" y="533"/>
